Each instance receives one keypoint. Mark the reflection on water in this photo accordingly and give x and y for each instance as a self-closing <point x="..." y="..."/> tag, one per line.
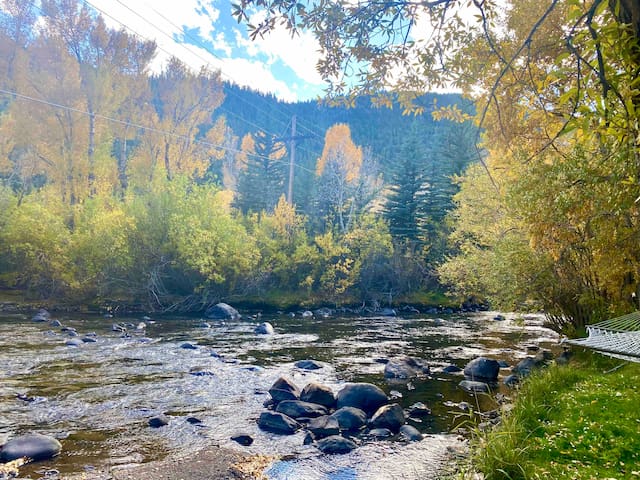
<point x="97" y="398"/>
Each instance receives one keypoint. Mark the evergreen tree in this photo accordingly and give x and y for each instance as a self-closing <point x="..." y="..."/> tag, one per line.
<point x="262" y="181"/>
<point x="403" y="205"/>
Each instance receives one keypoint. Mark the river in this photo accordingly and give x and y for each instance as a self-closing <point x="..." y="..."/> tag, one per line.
<point x="98" y="397"/>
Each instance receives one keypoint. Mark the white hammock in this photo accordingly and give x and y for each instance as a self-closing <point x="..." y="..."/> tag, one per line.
<point x="618" y="337"/>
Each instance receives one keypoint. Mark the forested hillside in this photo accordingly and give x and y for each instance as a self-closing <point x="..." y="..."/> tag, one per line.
<point x="171" y="188"/>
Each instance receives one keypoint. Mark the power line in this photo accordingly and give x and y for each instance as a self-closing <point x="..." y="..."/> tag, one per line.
<point x="195" y="53"/>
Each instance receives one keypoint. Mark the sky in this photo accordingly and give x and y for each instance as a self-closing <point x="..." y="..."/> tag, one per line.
<point x="203" y="32"/>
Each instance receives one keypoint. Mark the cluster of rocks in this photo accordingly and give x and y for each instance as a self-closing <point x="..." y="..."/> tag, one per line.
<point x="335" y="423"/>
<point x="481" y="374"/>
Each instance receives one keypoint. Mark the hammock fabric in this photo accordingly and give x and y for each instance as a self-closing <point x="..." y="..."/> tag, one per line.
<point x="618" y="337"/>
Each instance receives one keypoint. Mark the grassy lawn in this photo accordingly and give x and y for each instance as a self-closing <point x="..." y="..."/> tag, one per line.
<point x="568" y="422"/>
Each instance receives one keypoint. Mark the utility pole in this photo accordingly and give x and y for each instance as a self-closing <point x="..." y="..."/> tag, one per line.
<point x="292" y="159"/>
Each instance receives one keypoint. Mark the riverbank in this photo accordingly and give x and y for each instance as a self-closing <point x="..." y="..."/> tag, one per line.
<point x="17" y="301"/>
<point x="575" y="421"/>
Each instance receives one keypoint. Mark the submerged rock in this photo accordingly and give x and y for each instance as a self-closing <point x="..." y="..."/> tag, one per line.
<point x="419" y="409"/>
<point x="284" y="389"/>
<point x="365" y="396"/>
<point x="222" y="311"/>
<point x="335" y="444"/>
<point x="472" y="386"/>
<point x="276" y="422"/>
<point x="405" y="368"/>
<point x="34" y="445"/>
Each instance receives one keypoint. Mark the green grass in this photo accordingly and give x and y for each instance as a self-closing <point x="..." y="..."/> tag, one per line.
<point x="568" y="422"/>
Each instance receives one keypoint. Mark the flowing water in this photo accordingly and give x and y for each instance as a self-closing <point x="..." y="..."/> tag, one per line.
<point x="97" y="398"/>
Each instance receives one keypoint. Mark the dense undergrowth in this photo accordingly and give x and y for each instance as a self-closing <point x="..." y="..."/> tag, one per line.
<point x="577" y="421"/>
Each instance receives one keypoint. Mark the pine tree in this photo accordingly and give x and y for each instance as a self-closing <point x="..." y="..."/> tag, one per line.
<point x="403" y="207"/>
<point x="262" y="181"/>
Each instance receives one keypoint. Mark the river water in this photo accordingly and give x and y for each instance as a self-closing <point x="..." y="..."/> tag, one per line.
<point x="97" y="398"/>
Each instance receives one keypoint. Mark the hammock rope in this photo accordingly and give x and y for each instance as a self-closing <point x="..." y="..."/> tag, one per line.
<point x="618" y="337"/>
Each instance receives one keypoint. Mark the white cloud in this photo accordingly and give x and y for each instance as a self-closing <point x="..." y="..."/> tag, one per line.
<point x="300" y="53"/>
<point x="163" y="21"/>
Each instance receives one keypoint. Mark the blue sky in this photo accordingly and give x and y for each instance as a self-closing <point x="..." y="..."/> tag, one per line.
<point x="203" y="32"/>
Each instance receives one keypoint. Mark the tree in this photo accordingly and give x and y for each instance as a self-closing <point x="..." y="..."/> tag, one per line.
<point x="261" y="181"/>
<point x="347" y="179"/>
<point x="406" y="190"/>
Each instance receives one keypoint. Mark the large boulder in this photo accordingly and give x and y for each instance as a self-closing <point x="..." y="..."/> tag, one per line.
<point x="482" y="368"/>
<point x="404" y="368"/>
<point x="388" y="416"/>
<point x="222" y="311"/>
<point x="527" y="365"/>
<point x="317" y="393"/>
<point x="335" y="444"/>
<point x="284" y="389"/>
<point x="299" y="409"/>
<point x="34" y="446"/>
<point x="364" y="396"/>
<point x="323" y="426"/>
<point x="350" y="418"/>
<point x="277" y="423"/>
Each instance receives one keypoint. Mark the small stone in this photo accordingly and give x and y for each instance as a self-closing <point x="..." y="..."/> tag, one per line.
<point x="159" y="421"/>
<point x="308" y="365"/>
<point x="242" y="439"/>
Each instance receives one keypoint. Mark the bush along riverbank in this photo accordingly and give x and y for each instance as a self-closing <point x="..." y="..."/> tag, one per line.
<point x="573" y="421"/>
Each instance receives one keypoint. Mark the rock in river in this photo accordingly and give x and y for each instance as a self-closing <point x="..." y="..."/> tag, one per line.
<point x="277" y="423"/>
<point x="299" y="409"/>
<point x="159" y="421"/>
<point x="308" y="365"/>
<point x="318" y="393"/>
<point x="474" y="387"/>
<point x="410" y="433"/>
<point x="323" y="426"/>
<point x="284" y="389"/>
<point x="482" y="368"/>
<point x="350" y="418"/>
<point x="404" y="368"/>
<point x="364" y="396"/>
<point x="265" y="328"/>
<point x="222" y="311"/>
<point x="34" y="446"/>
<point x="388" y="416"/>
<point x="335" y="444"/>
